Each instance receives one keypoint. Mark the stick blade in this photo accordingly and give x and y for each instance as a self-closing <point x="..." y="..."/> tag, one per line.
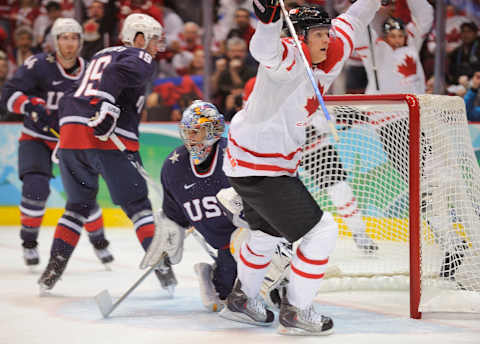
<point x="104" y="303"/>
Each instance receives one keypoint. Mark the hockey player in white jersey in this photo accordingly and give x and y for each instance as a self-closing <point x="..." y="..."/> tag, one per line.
<point x="264" y="152"/>
<point x="391" y="54"/>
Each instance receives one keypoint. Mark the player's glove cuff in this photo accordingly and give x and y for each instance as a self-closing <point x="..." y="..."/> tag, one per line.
<point x="267" y="11"/>
<point x="105" y="120"/>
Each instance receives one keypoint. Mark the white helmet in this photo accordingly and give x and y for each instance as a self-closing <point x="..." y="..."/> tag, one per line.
<point x="66" y="25"/>
<point x="140" y="23"/>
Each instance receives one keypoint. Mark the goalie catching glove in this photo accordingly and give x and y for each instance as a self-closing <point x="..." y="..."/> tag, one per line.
<point x="105" y="119"/>
<point x="267" y="11"/>
<point x="167" y="240"/>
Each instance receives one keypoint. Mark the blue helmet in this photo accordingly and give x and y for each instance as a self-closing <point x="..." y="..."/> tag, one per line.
<point x="201" y="126"/>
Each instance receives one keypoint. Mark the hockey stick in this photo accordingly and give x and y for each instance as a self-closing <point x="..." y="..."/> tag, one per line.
<point x="121" y="147"/>
<point x="104" y="299"/>
<point x="329" y="119"/>
<point x="202" y="243"/>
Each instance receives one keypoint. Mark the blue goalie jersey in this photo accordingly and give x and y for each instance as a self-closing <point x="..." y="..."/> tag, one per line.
<point x="190" y="197"/>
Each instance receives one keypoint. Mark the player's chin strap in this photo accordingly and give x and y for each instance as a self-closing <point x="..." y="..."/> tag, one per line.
<point x="329" y="119"/>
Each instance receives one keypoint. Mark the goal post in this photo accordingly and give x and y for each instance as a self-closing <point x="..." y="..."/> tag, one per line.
<point x="404" y="185"/>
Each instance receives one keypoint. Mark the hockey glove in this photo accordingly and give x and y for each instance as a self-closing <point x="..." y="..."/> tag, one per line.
<point x="35" y="109"/>
<point x="105" y="120"/>
<point x="267" y="11"/>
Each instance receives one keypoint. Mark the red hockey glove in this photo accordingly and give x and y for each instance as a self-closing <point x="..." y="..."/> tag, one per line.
<point x="267" y="11"/>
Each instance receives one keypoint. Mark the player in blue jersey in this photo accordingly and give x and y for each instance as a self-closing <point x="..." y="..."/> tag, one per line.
<point x="191" y="178"/>
<point x="108" y="99"/>
<point x="35" y="91"/>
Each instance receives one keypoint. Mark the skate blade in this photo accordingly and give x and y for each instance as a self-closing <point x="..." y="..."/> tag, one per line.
<point x="240" y="317"/>
<point x="295" y="331"/>
<point x="107" y="266"/>
<point x="170" y="291"/>
<point x="43" y="291"/>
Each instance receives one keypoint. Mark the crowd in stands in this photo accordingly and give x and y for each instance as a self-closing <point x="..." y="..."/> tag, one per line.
<point x="25" y="30"/>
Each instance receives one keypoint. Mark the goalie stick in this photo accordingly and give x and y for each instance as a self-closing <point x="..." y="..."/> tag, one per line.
<point x="329" y="119"/>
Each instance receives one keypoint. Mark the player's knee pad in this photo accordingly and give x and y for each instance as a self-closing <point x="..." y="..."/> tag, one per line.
<point x="136" y="207"/>
<point x="36" y="186"/>
<point x="340" y="193"/>
<point x="80" y="211"/>
<point x="320" y="241"/>
<point x="261" y="244"/>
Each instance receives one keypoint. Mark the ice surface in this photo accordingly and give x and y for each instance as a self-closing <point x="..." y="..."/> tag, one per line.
<point x="69" y="315"/>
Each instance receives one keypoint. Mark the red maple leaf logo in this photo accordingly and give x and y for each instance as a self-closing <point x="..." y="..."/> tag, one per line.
<point x="313" y="103"/>
<point x="409" y="67"/>
<point x="453" y="35"/>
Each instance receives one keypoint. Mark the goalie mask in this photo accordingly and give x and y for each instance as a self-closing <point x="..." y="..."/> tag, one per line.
<point x="201" y="126"/>
<point x="66" y="25"/>
<point x="307" y="17"/>
<point x="141" y="23"/>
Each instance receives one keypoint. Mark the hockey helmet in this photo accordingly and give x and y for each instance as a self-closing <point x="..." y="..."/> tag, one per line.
<point x="306" y="17"/>
<point x="200" y="127"/>
<point x="393" y="24"/>
<point x="140" y="23"/>
<point x="66" y="25"/>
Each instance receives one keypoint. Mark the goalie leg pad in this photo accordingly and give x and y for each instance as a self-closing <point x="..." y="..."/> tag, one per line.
<point x="208" y="293"/>
<point x="167" y="239"/>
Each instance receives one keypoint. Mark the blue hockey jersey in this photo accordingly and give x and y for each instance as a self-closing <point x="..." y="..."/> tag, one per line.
<point x="190" y="197"/>
<point x="43" y="77"/>
<point x="119" y="75"/>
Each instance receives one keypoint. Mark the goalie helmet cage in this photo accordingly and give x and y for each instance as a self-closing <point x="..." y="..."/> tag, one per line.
<point x="403" y="172"/>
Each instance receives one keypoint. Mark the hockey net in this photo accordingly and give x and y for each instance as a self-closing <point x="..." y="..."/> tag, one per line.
<point x="404" y="185"/>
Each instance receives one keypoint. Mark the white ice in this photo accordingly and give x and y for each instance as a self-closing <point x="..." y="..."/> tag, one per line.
<point x="69" y="315"/>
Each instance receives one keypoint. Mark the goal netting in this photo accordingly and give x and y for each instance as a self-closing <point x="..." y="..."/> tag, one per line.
<point x="404" y="185"/>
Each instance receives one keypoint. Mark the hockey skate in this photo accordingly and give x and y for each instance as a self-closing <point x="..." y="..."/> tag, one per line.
<point x="365" y="243"/>
<point x="208" y="293"/>
<point x="102" y="253"/>
<point x="166" y="276"/>
<point x="298" y="322"/>
<point x="52" y="273"/>
<point x="452" y="261"/>
<point x="30" y="253"/>
<point x="243" y="309"/>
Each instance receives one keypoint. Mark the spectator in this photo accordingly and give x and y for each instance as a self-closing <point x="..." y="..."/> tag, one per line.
<point x="243" y="28"/>
<point x="23" y="37"/>
<point x="43" y="25"/>
<point x="184" y="48"/>
<point x="24" y="13"/>
<point x="465" y="59"/>
<point x="97" y="34"/>
<point x="473" y="110"/>
<point x="231" y="72"/>
<point x="4" y="114"/>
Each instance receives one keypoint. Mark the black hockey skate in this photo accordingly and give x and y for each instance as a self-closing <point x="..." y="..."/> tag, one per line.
<point x="52" y="273"/>
<point x="365" y="243"/>
<point x="452" y="261"/>
<point x="102" y="252"/>
<point x="298" y="322"/>
<point x="243" y="309"/>
<point x="166" y="276"/>
<point x="30" y="253"/>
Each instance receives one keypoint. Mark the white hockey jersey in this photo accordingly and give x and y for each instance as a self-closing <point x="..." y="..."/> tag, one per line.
<point x="398" y="70"/>
<point x="266" y="136"/>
